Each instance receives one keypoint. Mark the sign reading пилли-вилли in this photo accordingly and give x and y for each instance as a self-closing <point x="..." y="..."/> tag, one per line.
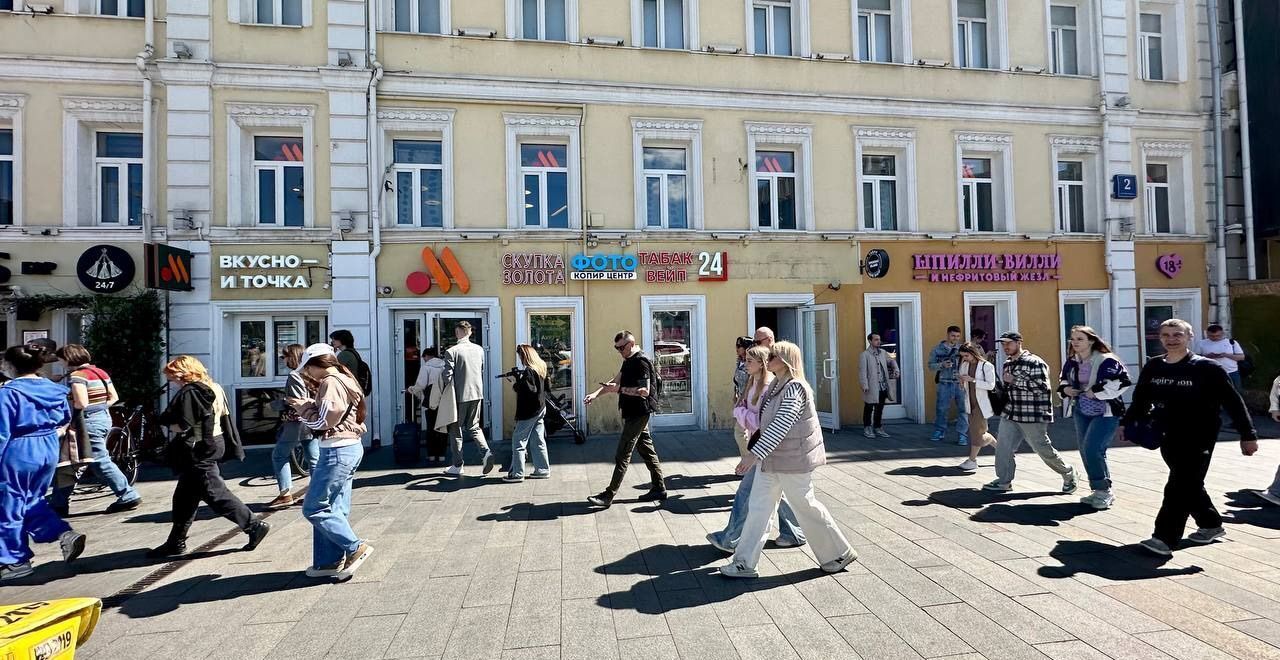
<point x="986" y="267"/>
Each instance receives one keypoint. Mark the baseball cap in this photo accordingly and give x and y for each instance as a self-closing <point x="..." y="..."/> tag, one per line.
<point x="313" y="351"/>
<point x="1010" y="336"/>
<point x="745" y="342"/>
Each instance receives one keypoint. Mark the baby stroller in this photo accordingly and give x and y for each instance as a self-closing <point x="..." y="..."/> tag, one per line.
<point x="560" y="415"/>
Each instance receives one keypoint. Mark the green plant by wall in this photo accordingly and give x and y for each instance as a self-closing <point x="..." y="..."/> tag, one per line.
<point x="126" y="335"/>
<point x="1254" y="323"/>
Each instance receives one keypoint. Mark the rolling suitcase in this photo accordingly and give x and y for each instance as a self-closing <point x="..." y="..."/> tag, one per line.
<point x="406" y="442"/>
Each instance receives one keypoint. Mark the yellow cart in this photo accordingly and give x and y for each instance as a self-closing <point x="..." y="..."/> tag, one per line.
<point x="47" y="630"/>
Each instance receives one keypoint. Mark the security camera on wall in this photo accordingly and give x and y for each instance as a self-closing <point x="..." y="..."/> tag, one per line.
<point x="39" y="8"/>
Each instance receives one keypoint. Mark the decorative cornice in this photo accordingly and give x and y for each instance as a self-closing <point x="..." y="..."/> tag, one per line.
<point x="12" y="101"/>
<point x="984" y="138"/>
<point x="1075" y="141"/>
<point x="544" y="121"/>
<point x="688" y="125"/>
<point x="269" y="110"/>
<point x="96" y="104"/>
<point x="415" y="114"/>
<point x="1165" y="147"/>
<point x="758" y="128"/>
<point x="885" y="133"/>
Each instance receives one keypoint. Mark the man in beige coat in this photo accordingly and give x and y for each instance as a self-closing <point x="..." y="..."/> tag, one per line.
<point x="464" y="369"/>
<point x="875" y="369"/>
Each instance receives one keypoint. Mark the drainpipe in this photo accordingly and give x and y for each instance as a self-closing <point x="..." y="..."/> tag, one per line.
<point x="376" y="176"/>
<point x="1219" y="195"/>
<point x="142" y="60"/>
<point x="1245" y="157"/>
<point x="1104" y="172"/>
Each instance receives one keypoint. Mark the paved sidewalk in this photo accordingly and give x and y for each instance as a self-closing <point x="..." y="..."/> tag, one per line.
<point x="475" y="568"/>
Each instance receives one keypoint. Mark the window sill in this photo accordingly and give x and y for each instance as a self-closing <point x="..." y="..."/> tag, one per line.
<point x="411" y="33"/>
<point x="272" y="25"/>
<point x="1162" y="82"/>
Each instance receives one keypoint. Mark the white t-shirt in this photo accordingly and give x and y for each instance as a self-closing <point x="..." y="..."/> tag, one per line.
<point x="1225" y="346"/>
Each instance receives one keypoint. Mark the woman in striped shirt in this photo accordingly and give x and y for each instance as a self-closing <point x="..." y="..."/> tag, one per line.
<point x="93" y="394"/>
<point x="790" y="447"/>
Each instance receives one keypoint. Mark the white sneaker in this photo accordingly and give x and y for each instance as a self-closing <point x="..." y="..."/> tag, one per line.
<point x="72" y="544"/>
<point x="836" y="565"/>
<point x="1099" y="499"/>
<point x="970" y="466"/>
<point x="868" y="432"/>
<point x="454" y="470"/>
<point x="738" y="569"/>
<point x="883" y="433"/>
<point x="1069" y="482"/>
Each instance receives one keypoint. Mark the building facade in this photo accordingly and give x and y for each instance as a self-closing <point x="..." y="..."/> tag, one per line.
<point x="557" y="170"/>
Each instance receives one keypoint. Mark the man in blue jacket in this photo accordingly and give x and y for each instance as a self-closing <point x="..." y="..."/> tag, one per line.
<point x="944" y="361"/>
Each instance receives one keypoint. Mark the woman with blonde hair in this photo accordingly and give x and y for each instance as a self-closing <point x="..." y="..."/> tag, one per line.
<point x="977" y="378"/>
<point x="291" y="433"/>
<point x="531" y="387"/>
<point x="747" y="415"/>
<point x="789" y="448"/>
<point x="203" y="436"/>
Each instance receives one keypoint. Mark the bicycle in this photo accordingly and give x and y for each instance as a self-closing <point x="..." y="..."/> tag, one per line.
<point x="137" y="437"/>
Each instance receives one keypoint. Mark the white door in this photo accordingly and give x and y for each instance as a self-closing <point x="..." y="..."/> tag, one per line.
<point x="418" y="331"/>
<point x="674" y="336"/>
<point x="994" y="312"/>
<point x="896" y="318"/>
<point x="821" y="361"/>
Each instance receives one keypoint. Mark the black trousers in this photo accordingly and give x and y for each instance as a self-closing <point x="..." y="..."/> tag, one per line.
<point x="200" y="480"/>
<point x="872" y="412"/>
<point x="635" y="437"/>
<point x="1184" y="494"/>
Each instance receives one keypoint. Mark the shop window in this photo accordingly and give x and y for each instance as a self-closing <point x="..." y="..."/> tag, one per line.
<point x="544" y="172"/>
<point x="278" y="172"/>
<point x="551" y="335"/>
<point x="875" y="30"/>
<point x="879" y="193"/>
<point x="985" y="185"/>
<point x="420" y="16"/>
<point x="666" y="175"/>
<point x="262" y="342"/>
<point x="419" y="183"/>
<point x="1070" y="196"/>
<point x="7" y="197"/>
<point x="664" y="23"/>
<point x="544" y="20"/>
<point x="672" y="342"/>
<point x="118" y="163"/>
<point x="1064" y="40"/>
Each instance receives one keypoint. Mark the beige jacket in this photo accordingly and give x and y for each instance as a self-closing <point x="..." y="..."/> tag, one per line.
<point x="337" y="412"/>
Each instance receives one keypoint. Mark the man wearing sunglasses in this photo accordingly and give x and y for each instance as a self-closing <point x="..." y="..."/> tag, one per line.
<point x="632" y="387"/>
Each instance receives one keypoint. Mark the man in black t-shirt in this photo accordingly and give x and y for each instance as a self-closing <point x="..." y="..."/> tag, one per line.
<point x="632" y="386"/>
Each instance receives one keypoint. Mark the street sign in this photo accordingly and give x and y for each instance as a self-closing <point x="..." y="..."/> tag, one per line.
<point x="168" y="268"/>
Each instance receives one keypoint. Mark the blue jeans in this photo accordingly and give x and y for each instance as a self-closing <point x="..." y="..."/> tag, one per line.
<point x="529" y="432"/>
<point x="1094" y="435"/>
<point x="328" y="503"/>
<point x="288" y="437"/>
<point x="948" y="393"/>
<point x="97" y="425"/>
<point x="788" y="526"/>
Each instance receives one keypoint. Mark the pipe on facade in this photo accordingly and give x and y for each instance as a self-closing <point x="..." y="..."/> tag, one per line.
<point x="1246" y="159"/>
<point x="375" y="178"/>
<point x="142" y="60"/>
<point x="1219" y="195"/>
<point x="1104" y="171"/>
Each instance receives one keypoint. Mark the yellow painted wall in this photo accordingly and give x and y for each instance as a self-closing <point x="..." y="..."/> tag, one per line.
<point x="63" y="281"/>
<point x="302" y="46"/>
<point x="76" y="35"/>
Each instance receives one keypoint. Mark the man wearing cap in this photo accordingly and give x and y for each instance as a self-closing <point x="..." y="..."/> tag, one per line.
<point x="1027" y="415"/>
<point x="464" y="366"/>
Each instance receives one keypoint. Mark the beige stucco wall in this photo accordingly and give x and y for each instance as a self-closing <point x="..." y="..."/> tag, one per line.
<point x="289" y="45"/>
<point x="76" y="35"/>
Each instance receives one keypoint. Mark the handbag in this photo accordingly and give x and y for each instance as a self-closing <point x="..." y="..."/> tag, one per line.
<point x="1145" y="431"/>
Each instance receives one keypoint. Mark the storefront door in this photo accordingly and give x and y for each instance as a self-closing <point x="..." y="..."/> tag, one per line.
<point x="553" y="326"/>
<point x="821" y="360"/>
<point x="896" y="318"/>
<point x="259" y="371"/>
<point x="995" y="313"/>
<point x="418" y="331"/>
<point x="675" y="337"/>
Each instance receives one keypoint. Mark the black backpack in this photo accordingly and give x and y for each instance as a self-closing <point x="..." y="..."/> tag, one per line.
<point x="363" y="375"/>
<point x="652" y="402"/>
<point x="999" y="398"/>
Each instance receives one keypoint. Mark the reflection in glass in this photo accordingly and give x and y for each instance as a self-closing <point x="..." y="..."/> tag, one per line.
<point x="552" y="336"/>
<point x="886" y="322"/>
<point x="253" y="346"/>
<point x="672" y="333"/>
<point x="255" y="418"/>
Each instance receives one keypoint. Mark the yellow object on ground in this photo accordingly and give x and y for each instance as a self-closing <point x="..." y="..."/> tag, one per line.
<point x="47" y="630"/>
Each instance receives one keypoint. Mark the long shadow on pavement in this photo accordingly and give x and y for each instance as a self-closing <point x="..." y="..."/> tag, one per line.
<point x="105" y="563"/>
<point x="1249" y="509"/>
<point x="1111" y="562"/>
<point x="974" y="498"/>
<point x="928" y="471"/>
<point x="210" y="588"/>
<point x="1042" y="515"/>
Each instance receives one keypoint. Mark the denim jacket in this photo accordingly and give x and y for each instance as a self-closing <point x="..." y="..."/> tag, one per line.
<point x="942" y="352"/>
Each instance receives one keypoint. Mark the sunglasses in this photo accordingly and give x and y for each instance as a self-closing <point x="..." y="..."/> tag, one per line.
<point x="621" y="347"/>
<point x="757" y="342"/>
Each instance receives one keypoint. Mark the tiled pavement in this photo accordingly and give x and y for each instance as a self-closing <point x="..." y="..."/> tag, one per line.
<point x="475" y="568"/>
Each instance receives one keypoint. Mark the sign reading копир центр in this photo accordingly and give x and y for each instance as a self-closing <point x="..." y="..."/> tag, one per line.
<point x="986" y="267"/>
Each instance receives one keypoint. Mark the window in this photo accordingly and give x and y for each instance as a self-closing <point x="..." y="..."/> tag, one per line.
<point x="1151" y="41"/>
<point x="5" y="5"/>
<point x="1064" y="40"/>
<point x="544" y="20"/>
<point x="972" y="34"/>
<point x="668" y="182"/>
<point x="666" y="178"/>
<point x="771" y="24"/>
<point x="545" y="173"/>
<point x="419" y="181"/>
<point x="1070" y="196"/>
<point x="875" y="31"/>
<point x="7" y="198"/>
<point x="984" y="162"/>
<point x="1159" y="220"/>
<point x="420" y="16"/>
<point x="879" y="193"/>
<point x="775" y="179"/>
<point x="132" y="8"/>
<point x="663" y="23"/>
<point x="781" y="180"/>
<point x="1083" y="307"/>
<point x="277" y="12"/>
<point x="977" y="184"/>
<point x="1160" y="305"/>
<point x="118" y="163"/>
<point x="278" y="173"/>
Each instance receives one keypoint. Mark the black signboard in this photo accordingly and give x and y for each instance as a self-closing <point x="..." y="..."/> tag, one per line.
<point x="105" y="269"/>
<point x="168" y="268"/>
<point x="877" y="263"/>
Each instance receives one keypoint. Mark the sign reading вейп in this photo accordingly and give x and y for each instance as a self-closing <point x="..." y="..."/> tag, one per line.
<point x="263" y="280"/>
<point x="986" y="267"/>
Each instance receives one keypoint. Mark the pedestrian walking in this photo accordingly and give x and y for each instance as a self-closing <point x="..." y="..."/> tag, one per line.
<point x="34" y="412"/>
<point x="429" y="386"/>
<point x="1092" y="382"/>
<point x="337" y="413"/>
<point x="740" y="378"/>
<point x="529" y="380"/>
<point x="464" y="368"/>
<point x="763" y="337"/>
<point x="92" y="395"/>
<point x="1027" y="416"/>
<point x="1227" y="352"/>
<point x="875" y="370"/>
<point x="789" y="448"/>
<point x="944" y="361"/>
<point x="1272" y="493"/>
<point x="292" y="433"/>
<point x="977" y="377"/>
<point x="202" y="437"/>
<point x="747" y="414"/>
<point x="636" y="386"/>
<point x="1180" y="396"/>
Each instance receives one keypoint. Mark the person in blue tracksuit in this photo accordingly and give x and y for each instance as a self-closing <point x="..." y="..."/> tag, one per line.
<point x="33" y="410"/>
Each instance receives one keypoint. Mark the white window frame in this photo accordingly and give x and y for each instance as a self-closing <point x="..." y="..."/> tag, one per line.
<point x="696" y="305"/>
<point x="900" y="29"/>
<point x="999" y="148"/>
<point x="997" y="35"/>
<point x="515" y="21"/>
<point x="277" y="168"/>
<point x="91" y="8"/>
<point x="11" y="115"/>
<point x="691" y="41"/>
<point x="82" y="119"/>
<point x="1086" y="149"/>
<point x="122" y="10"/>
<point x="1173" y="30"/>
<point x="246" y="121"/>
<point x="388" y="16"/>
<point x="245" y="12"/>
<point x="1097" y="304"/>
<point x="657" y="132"/>
<point x="527" y="306"/>
<point x="798" y="138"/>
<point x="434" y="124"/>
<point x="121" y="166"/>
<point x="1084" y="36"/>
<point x="556" y="129"/>
<point x="1001" y="300"/>
<point x="1187" y="305"/>
<point x="1177" y="155"/>
<point x="800" y="28"/>
<point x="901" y="143"/>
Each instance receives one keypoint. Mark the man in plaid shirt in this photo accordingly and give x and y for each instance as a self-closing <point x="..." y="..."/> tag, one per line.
<point x="1026" y="416"/>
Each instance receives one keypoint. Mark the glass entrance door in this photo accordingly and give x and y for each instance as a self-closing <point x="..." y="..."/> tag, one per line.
<point x="671" y="347"/>
<point x="821" y="360"/>
<point x="896" y="324"/>
<point x="432" y="332"/>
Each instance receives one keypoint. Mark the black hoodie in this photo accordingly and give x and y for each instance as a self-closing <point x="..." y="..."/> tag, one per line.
<point x="191" y="413"/>
<point x="1186" y="398"/>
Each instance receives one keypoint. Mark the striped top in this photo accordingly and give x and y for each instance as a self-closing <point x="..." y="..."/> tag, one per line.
<point x="97" y="384"/>
<point x="792" y="404"/>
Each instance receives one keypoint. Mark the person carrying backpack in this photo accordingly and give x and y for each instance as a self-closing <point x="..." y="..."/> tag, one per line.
<point x="344" y="346"/>
<point x="638" y="388"/>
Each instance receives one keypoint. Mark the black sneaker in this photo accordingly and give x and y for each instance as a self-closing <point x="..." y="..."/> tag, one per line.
<point x="654" y="495"/>
<point x="61" y="511"/>
<point x="257" y="531"/>
<point x="604" y="499"/>
<point x="118" y="506"/>
<point x="168" y="549"/>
